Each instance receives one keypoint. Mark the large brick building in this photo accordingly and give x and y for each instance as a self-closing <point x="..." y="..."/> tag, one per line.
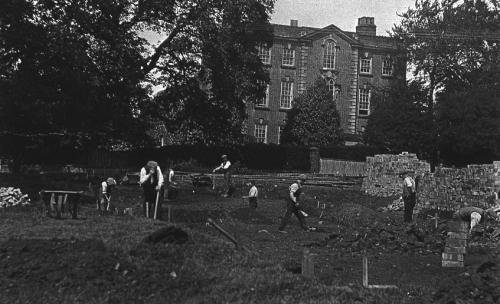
<point x="352" y="63"/>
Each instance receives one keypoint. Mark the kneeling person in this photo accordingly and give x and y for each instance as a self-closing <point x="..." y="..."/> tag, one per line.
<point x="475" y="215"/>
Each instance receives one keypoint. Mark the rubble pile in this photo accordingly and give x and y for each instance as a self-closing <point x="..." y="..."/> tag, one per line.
<point x="396" y="205"/>
<point x="10" y="196"/>
<point x="383" y="172"/>
<point x="452" y="188"/>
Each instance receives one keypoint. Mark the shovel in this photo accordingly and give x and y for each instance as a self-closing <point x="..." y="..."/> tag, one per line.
<point x="156" y="203"/>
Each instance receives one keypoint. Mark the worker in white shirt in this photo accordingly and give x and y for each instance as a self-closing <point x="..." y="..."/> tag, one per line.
<point x="107" y="187"/>
<point x="293" y="205"/>
<point x="475" y="215"/>
<point x="169" y="185"/>
<point x="409" y="195"/>
<point x="225" y="168"/>
<point x="151" y="180"/>
<point x="252" y="195"/>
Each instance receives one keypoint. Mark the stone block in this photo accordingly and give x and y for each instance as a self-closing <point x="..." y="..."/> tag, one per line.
<point x="456" y="243"/>
<point x="461" y="250"/>
<point x="452" y="264"/>
<point x="457" y="235"/>
<point x="452" y="257"/>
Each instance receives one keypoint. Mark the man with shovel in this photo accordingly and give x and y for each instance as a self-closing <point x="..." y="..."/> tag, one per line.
<point x="104" y="202"/>
<point x="151" y="180"/>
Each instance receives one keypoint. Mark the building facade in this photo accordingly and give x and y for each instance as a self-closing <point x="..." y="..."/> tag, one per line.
<point x="353" y="64"/>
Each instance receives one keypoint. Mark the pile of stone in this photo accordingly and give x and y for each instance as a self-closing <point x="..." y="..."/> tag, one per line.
<point x="452" y="188"/>
<point x="10" y="196"/>
<point x="396" y="205"/>
<point x="383" y="173"/>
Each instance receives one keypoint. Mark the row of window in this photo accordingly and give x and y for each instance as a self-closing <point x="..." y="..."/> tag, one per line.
<point x="286" y="97"/>
<point x="329" y="55"/>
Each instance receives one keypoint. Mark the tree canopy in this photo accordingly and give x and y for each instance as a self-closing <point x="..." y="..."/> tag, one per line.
<point x="82" y="70"/>
<point x="313" y="120"/>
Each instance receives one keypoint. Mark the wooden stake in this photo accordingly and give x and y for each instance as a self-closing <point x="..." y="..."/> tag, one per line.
<point x="147" y="209"/>
<point x="365" y="272"/>
<point x="436" y="220"/>
<point x="156" y="203"/>
<point x="59" y="206"/>
<point x="169" y="214"/>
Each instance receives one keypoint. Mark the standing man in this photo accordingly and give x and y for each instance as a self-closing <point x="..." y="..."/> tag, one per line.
<point x="409" y="196"/>
<point x="151" y="180"/>
<point x="475" y="215"/>
<point x="252" y="195"/>
<point x="225" y="168"/>
<point x="293" y="206"/>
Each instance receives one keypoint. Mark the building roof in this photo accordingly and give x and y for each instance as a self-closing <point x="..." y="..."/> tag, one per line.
<point x="303" y="32"/>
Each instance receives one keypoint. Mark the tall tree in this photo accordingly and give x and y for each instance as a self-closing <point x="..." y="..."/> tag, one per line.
<point x="80" y="68"/>
<point x="400" y="122"/>
<point x="313" y="120"/>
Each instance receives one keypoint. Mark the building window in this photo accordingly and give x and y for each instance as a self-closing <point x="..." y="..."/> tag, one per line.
<point x="387" y="67"/>
<point x="288" y="57"/>
<point x="329" y="55"/>
<point x="264" y="102"/>
<point x="265" y="54"/>
<point x="261" y="133"/>
<point x="331" y="85"/>
<point x="366" y="66"/>
<point x="286" y="95"/>
<point x="364" y="102"/>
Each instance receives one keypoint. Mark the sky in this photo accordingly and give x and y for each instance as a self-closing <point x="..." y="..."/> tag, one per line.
<point x="342" y="13"/>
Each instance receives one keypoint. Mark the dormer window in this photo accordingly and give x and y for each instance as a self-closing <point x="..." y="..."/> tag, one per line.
<point x="329" y="55"/>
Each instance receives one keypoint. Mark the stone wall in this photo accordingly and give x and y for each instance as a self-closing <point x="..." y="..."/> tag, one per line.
<point x="445" y="189"/>
<point x="383" y="170"/>
<point x="452" y="188"/>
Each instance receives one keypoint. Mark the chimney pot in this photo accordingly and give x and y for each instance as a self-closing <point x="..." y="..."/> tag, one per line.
<point x="294" y="22"/>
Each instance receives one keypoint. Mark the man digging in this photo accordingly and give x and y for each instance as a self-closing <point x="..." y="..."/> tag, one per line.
<point x="475" y="215"/>
<point x="293" y="205"/>
<point x="225" y="168"/>
<point x="409" y="195"/>
<point x="151" y="180"/>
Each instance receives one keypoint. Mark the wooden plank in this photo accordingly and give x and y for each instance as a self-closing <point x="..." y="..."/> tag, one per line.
<point x="62" y="192"/>
<point x="365" y="272"/>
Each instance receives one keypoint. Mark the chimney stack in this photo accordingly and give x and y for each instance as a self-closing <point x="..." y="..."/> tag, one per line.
<point x="294" y="22"/>
<point x="366" y="26"/>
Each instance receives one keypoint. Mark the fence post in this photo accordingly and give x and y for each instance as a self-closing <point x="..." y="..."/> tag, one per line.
<point x="365" y="271"/>
<point x="314" y="159"/>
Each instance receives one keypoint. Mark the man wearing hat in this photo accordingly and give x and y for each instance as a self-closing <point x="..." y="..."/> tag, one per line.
<point x="293" y="206"/>
<point x="225" y="168"/>
<point x="475" y="215"/>
<point x="409" y="195"/>
<point x="107" y="186"/>
<point x="151" y="180"/>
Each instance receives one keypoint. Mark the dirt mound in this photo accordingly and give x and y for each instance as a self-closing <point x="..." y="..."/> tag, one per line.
<point x="250" y="216"/>
<point x="479" y="285"/>
<point x="56" y="268"/>
<point x="169" y="234"/>
<point x="195" y="216"/>
<point x="352" y="214"/>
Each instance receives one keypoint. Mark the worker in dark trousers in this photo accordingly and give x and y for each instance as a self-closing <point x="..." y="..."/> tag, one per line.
<point x="225" y="168"/>
<point x="107" y="188"/>
<point x="293" y="205"/>
<point x="475" y="215"/>
<point x="409" y="195"/>
<point x="151" y="180"/>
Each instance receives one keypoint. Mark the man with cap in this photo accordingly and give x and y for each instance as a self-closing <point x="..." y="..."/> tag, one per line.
<point x="151" y="180"/>
<point x="225" y="168"/>
<point x="293" y="205"/>
<point x="409" y="195"/>
<point x="475" y="215"/>
<point x="104" y="202"/>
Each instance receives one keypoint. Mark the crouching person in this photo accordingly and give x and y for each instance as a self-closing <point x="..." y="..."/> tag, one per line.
<point x="293" y="205"/>
<point x="475" y="215"/>
<point x="104" y="202"/>
<point x="151" y="180"/>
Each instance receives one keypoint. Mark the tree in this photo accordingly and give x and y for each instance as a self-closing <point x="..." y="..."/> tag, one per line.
<point x="80" y="69"/>
<point x="469" y="118"/>
<point x="313" y="120"/>
<point x="399" y="121"/>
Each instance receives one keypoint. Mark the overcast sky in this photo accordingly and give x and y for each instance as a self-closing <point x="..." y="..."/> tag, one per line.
<point x="342" y="13"/>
